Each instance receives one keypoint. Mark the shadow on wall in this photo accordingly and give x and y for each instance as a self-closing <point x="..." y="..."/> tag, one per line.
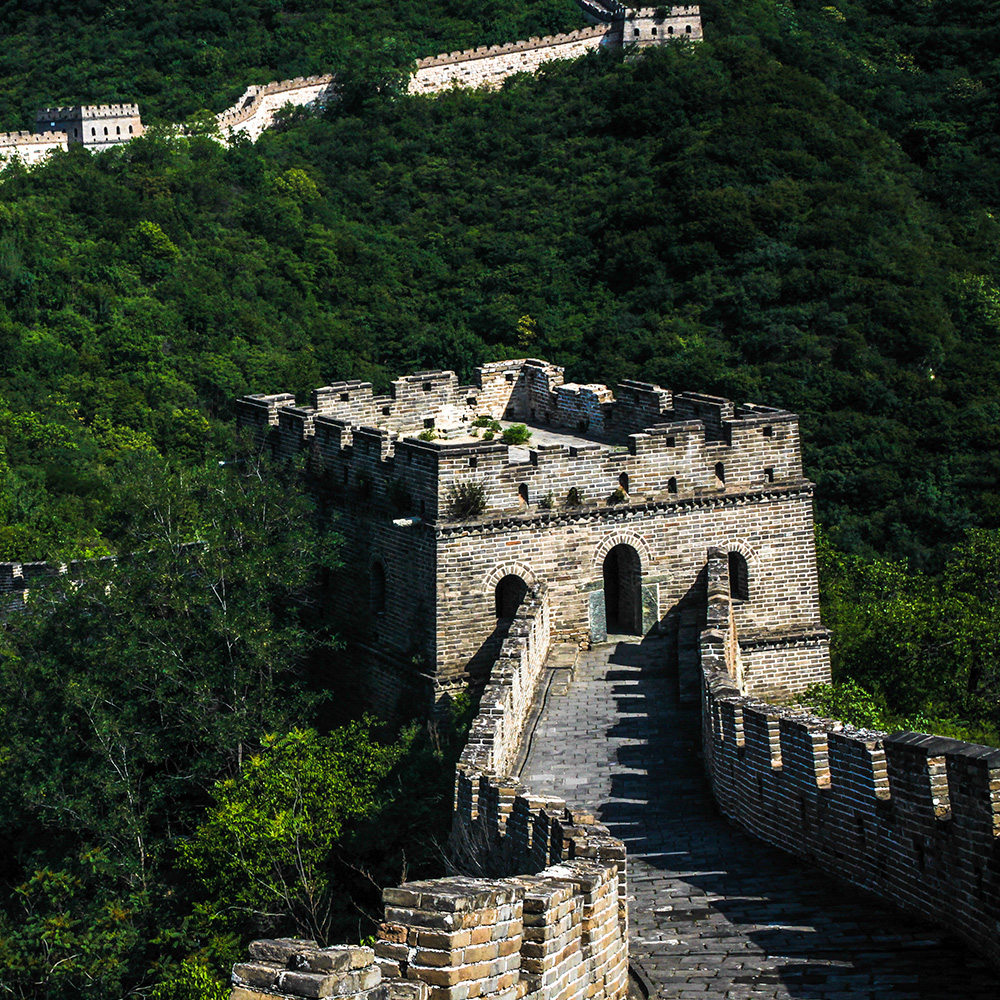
<point x="702" y="887"/>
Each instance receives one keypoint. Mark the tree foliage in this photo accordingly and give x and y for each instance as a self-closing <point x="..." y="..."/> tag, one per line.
<point x="265" y="844"/>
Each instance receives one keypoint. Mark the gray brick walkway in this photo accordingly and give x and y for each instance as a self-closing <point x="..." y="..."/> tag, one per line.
<point x="713" y="912"/>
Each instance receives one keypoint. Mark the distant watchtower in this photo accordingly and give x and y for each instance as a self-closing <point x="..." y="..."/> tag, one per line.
<point x="96" y="126"/>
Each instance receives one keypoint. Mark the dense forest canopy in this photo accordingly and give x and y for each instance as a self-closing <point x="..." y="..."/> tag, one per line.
<point x="800" y="211"/>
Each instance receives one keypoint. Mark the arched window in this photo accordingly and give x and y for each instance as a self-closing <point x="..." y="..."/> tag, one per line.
<point x="720" y="473"/>
<point x="672" y="485"/>
<point x="623" y="482"/>
<point x="378" y="588"/>
<point x="118" y="130"/>
<point x="739" y="577"/>
<point x="635" y="32"/>
<point x="130" y="130"/>
<point x="93" y="131"/>
<point x="509" y="595"/>
<point x="522" y="492"/>
<point x="654" y="31"/>
<point x="688" y="29"/>
<point x="105" y="129"/>
<point x="670" y="31"/>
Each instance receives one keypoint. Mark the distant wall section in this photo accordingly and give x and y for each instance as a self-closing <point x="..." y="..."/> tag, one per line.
<point x="490" y="65"/>
<point x="30" y="147"/>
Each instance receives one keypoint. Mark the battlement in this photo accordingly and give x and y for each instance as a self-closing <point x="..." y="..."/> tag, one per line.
<point x="85" y="112"/>
<point x="643" y="445"/>
<point x="523" y="45"/>
<point x="30" y="147"/>
<point x="915" y="818"/>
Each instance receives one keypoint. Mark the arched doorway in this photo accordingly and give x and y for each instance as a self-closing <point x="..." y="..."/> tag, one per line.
<point x="623" y="591"/>
<point x="509" y="594"/>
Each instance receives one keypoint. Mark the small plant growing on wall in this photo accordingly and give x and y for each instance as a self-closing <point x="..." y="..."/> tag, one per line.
<point x="427" y="435"/>
<point x="574" y="498"/>
<point x="618" y="496"/>
<point x="546" y="503"/>
<point x="466" y="499"/>
<point x="488" y="422"/>
<point x="516" y="434"/>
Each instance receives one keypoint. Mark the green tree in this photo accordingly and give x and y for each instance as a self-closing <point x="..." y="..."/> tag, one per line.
<point x="129" y="684"/>
<point x="266" y="845"/>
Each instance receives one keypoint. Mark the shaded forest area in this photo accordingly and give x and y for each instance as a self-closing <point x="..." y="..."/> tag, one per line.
<point x="800" y="211"/>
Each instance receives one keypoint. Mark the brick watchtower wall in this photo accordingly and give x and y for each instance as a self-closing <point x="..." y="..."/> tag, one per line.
<point x="616" y="523"/>
<point x="96" y="126"/>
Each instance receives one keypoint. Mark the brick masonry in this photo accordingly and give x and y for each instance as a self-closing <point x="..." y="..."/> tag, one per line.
<point x="623" y="495"/>
<point x="545" y="914"/>
<point x="914" y="818"/>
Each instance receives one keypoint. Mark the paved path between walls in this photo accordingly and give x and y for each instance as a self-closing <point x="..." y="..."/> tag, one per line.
<point x="714" y="913"/>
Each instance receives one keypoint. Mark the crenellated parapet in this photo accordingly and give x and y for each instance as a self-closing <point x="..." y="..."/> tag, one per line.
<point x="911" y="817"/>
<point x="31" y="147"/>
<point x="540" y="913"/>
<point x="257" y="107"/>
<point x="640" y="445"/>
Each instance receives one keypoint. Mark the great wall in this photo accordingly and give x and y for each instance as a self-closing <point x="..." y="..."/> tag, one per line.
<point x="100" y="127"/>
<point x="640" y="541"/>
<point x="680" y="520"/>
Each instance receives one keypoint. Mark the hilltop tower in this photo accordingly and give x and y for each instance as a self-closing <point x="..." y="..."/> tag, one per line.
<point x="613" y="503"/>
<point x="96" y="126"/>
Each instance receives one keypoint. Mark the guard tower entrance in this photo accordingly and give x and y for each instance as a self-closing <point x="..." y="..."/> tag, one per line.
<point x="623" y="591"/>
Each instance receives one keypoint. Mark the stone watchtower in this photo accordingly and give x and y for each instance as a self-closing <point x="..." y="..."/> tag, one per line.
<point x="96" y="126"/>
<point x="613" y="503"/>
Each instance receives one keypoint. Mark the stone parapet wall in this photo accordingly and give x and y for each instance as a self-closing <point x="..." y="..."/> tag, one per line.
<point x="495" y="736"/>
<point x="257" y="107"/>
<point x="30" y="147"/>
<point x="490" y="65"/>
<point x="911" y="817"/>
<point x="545" y="914"/>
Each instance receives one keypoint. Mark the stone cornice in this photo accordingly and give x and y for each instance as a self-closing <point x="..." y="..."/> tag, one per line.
<point x="772" y="493"/>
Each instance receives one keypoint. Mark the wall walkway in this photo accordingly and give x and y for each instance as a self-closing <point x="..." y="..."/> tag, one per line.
<point x="714" y="913"/>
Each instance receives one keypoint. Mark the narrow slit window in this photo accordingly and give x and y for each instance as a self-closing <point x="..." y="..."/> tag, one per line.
<point x="672" y="485"/>
<point x="378" y="588"/>
<point x="720" y="473"/>
<point x="623" y="482"/>
<point x="522" y="492"/>
<point x="739" y="582"/>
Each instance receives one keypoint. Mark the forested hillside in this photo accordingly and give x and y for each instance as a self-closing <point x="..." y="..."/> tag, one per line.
<point x="800" y="211"/>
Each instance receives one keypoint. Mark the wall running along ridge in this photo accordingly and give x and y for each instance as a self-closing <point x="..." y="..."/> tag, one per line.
<point x="258" y="107"/>
<point x="911" y="817"/>
<point x="543" y="917"/>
